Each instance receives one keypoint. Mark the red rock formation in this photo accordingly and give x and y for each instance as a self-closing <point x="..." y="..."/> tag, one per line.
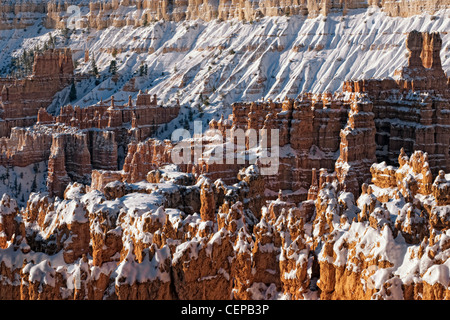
<point x="101" y="15"/>
<point x="295" y="258"/>
<point x="25" y="146"/>
<point x="255" y="187"/>
<point x="308" y="129"/>
<point x="413" y="121"/>
<point x="103" y="150"/>
<point x="53" y="62"/>
<point x="8" y="226"/>
<point x="441" y="189"/>
<point x="144" y="157"/>
<point x="22" y="99"/>
<point x="357" y="148"/>
<point x="145" y="117"/>
<point x="83" y="150"/>
<point x="265" y="255"/>
<point x="424" y="60"/>
<point x="412" y="177"/>
<point x="20" y="14"/>
<point x="208" y="204"/>
<point x="152" y="231"/>
<point x="57" y="175"/>
<point x="69" y="160"/>
<point x="154" y="251"/>
<point x="100" y="178"/>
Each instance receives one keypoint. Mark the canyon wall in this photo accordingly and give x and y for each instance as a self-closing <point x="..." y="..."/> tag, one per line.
<point x="411" y="110"/>
<point x="140" y="13"/>
<point x="21" y="14"/>
<point x="100" y="15"/>
<point x="76" y="140"/>
<point x="74" y="148"/>
<point x="22" y="98"/>
<point x="139" y="119"/>
<point x="309" y="138"/>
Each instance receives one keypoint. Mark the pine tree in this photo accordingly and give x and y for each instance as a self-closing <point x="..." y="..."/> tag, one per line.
<point x="94" y="69"/>
<point x="143" y="70"/>
<point x="113" y="67"/>
<point x="73" y="92"/>
<point x="51" y="41"/>
<point x="200" y="110"/>
<point x="145" y="20"/>
<point x="186" y="124"/>
<point x="34" y="185"/>
<point x="66" y="33"/>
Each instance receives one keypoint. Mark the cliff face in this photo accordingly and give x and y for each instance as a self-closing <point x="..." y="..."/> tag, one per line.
<point x="21" y="99"/>
<point x="78" y="139"/>
<point x="140" y="13"/>
<point x="100" y="15"/>
<point x="357" y="148"/>
<point x="215" y="58"/>
<point x="144" y="116"/>
<point x="21" y="14"/>
<point x="410" y="110"/>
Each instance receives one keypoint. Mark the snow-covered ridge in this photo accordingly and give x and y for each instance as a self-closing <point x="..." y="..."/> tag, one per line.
<point x="211" y="65"/>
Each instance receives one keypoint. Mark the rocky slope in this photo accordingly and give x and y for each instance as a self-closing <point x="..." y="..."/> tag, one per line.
<point x="359" y="205"/>
<point x="212" y="64"/>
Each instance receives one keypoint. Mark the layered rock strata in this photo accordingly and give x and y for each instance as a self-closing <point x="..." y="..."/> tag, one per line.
<point x="357" y="148"/>
<point x="81" y="139"/>
<point x="21" y="99"/>
<point x="411" y="110"/>
<point x="101" y="15"/>
<point x="182" y="238"/>
<point x="370" y="121"/>
<point x="137" y="119"/>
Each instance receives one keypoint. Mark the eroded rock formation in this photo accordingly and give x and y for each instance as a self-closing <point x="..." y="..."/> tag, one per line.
<point x="411" y="110"/>
<point x="175" y="238"/>
<point x="332" y="224"/>
<point x="101" y="15"/>
<point x="22" y="99"/>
